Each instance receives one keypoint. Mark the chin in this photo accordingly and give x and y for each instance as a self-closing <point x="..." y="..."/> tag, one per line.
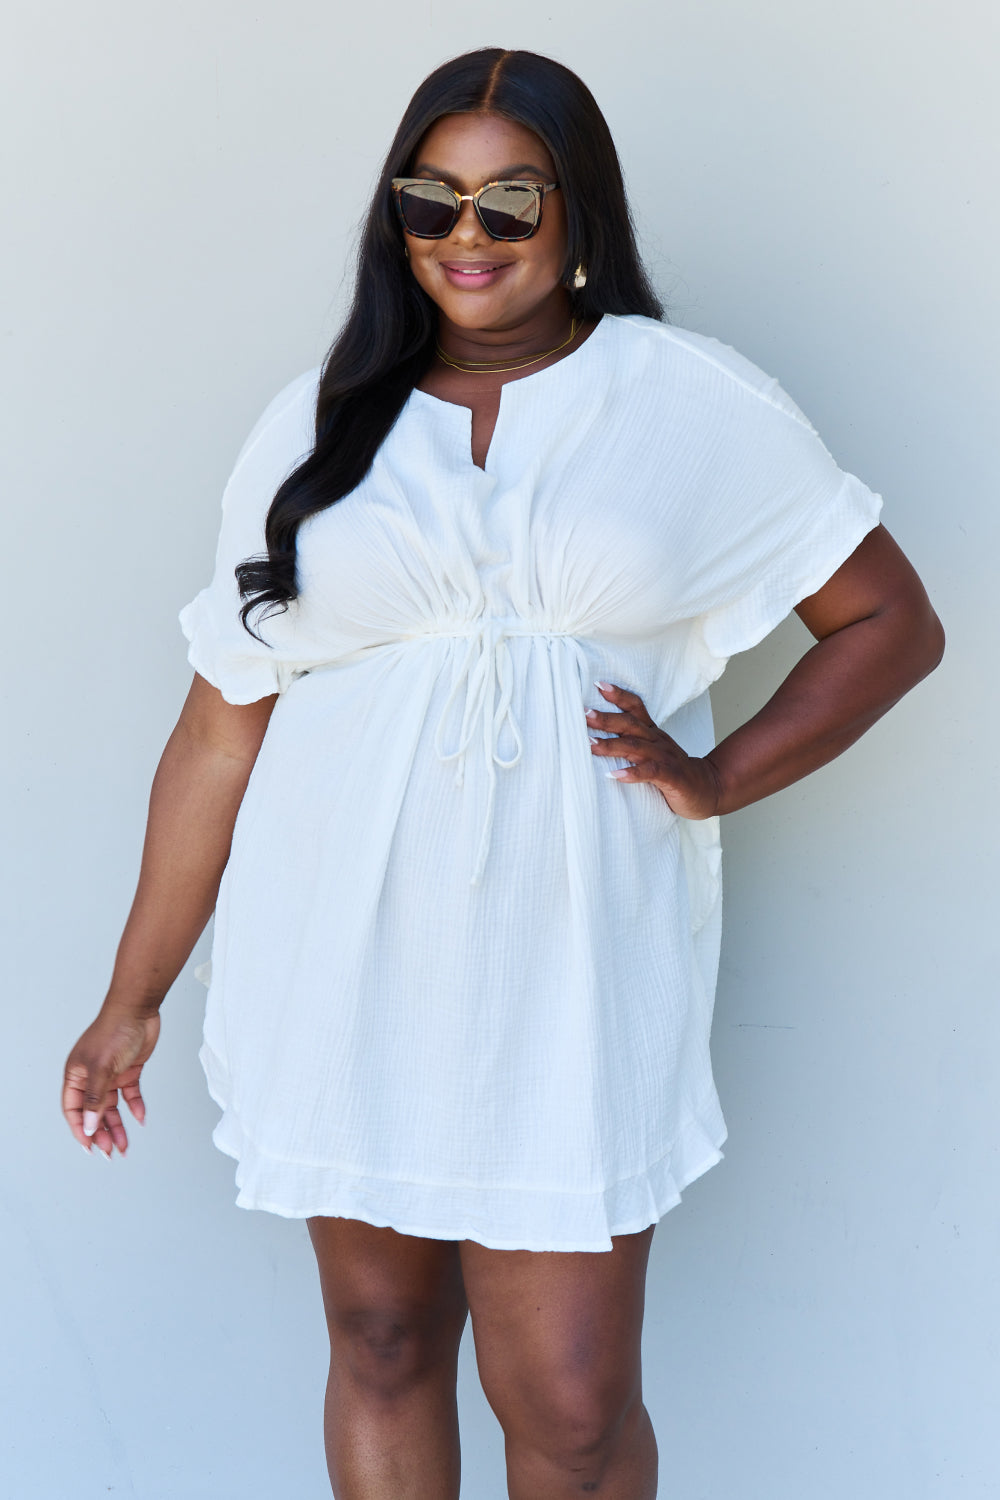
<point x="472" y="311"/>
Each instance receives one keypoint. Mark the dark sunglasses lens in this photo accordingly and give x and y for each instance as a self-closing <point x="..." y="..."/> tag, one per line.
<point x="509" y="213"/>
<point x="427" y="209"/>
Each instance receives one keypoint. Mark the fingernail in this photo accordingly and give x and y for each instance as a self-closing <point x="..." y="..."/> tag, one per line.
<point x="595" y="739"/>
<point x="105" y="1154"/>
<point x="616" y="775"/>
<point x="90" y="1118"/>
<point x="85" y="1149"/>
<point x="605" y="685"/>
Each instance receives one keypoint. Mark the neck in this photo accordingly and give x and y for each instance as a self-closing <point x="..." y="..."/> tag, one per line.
<point x="544" y="328"/>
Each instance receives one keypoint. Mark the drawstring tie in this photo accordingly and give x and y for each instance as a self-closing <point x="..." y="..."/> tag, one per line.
<point x="485" y="672"/>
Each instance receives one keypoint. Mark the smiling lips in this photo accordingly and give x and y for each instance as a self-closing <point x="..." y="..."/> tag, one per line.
<point x="472" y="272"/>
<point x="473" y="267"/>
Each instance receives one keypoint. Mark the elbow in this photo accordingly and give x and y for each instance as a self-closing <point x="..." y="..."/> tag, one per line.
<point x="935" y="643"/>
<point x="926" y="644"/>
<point x="914" y="642"/>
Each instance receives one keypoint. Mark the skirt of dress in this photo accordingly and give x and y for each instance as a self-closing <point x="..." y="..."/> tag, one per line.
<point x="522" y="1058"/>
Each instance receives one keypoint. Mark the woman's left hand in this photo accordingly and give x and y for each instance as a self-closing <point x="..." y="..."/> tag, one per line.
<point x="687" y="783"/>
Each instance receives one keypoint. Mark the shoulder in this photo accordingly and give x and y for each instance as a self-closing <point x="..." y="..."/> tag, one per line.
<point x="283" y="435"/>
<point x="285" y="430"/>
<point x="699" y="360"/>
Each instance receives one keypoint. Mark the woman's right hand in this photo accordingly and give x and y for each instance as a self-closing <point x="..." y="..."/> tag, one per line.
<point x="108" y="1057"/>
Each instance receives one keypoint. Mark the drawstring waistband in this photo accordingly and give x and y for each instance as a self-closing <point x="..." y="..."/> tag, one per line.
<point x="487" y="676"/>
<point x="485" y="672"/>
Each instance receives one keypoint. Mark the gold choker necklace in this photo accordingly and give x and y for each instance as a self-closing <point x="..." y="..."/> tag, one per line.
<point x="485" y="367"/>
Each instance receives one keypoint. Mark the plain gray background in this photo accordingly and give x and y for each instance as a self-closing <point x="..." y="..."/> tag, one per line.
<point x="815" y="185"/>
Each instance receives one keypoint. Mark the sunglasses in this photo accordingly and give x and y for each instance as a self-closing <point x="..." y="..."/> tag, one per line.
<point x="506" y="210"/>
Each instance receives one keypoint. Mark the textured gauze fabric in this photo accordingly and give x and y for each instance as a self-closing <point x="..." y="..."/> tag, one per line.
<point x="462" y="982"/>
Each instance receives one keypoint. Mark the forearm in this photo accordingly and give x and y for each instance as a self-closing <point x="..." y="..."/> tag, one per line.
<point x="839" y="689"/>
<point x="195" y="798"/>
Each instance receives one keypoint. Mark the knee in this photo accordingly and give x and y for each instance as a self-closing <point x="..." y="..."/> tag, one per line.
<point x="575" y="1428"/>
<point x="387" y="1351"/>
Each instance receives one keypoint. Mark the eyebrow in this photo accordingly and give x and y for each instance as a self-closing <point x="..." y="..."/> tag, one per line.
<point x="520" y="170"/>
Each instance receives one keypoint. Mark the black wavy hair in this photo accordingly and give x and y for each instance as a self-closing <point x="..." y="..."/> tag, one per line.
<point x="387" y="340"/>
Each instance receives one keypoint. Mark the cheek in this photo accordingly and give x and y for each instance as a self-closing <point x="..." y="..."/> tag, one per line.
<point x="420" y="264"/>
<point x="546" y="260"/>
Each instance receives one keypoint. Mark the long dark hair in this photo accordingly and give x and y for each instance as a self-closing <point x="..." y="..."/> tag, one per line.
<point x="387" y="341"/>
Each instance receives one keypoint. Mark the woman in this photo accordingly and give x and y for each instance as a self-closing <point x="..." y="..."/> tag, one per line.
<point x="473" y="582"/>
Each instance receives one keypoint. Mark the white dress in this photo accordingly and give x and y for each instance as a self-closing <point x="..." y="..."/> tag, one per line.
<point x="462" y="981"/>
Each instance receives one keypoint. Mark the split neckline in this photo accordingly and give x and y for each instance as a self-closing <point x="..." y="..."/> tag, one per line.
<point x="466" y="418"/>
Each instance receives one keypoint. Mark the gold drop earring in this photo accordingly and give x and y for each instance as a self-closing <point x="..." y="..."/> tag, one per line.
<point x="580" y="277"/>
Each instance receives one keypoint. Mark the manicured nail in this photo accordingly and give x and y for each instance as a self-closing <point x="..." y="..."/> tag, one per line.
<point x="616" y="775"/>
<point x="90" y="1118"/>
<point x="595" y="739"/>
<point x="604" y="685"/>
<point x="85" y="1149"/>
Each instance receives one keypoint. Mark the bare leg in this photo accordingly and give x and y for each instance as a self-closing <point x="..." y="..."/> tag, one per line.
<point x="395" y="1308"/>
<point x="558" y="1346"/>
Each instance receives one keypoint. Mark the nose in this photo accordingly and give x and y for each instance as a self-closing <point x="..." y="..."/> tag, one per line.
<point x="467" y="226"/>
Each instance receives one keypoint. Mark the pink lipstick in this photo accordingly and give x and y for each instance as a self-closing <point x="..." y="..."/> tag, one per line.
<point x="473" y="275"/>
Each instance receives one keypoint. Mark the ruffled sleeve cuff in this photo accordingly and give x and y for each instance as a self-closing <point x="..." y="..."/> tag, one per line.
<point x="239" y="677"/>
<point x="805" y="564"/>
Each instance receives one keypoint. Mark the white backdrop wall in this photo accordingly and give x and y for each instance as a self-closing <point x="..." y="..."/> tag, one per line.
<point x="813" y="184"/>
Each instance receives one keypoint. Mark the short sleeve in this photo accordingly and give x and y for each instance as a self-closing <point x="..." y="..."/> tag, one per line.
<point x="777" y="516"/>
<point x="220" y="648"/>
<point x="801" y="554"/>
